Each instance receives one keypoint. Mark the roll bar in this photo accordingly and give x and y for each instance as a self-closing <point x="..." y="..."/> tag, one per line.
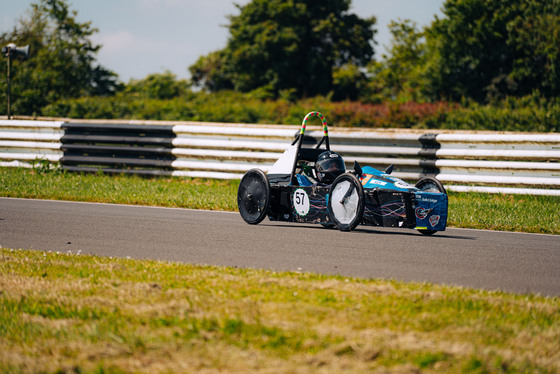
<point x="299" y="139"/>
<point x="304" y="126"/>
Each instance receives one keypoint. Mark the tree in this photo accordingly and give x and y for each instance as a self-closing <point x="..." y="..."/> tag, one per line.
<point x="287" y="45"/>
<point x="349" y="82"/>
<point x="62" y="62"/>
<point x="488" y="49"/>
<point x="158" y="86"/>
<point x="399" y="74"/>
<point x="209" y="72"/>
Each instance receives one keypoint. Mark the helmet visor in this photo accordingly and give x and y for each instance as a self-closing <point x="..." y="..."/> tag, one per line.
<point x="331" y="165"/>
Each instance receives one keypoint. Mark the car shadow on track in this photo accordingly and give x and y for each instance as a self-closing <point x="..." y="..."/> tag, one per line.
<point x="437" y="236"/>
<point x="372" y="230"/>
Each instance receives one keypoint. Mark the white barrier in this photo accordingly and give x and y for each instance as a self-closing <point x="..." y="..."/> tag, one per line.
<point x="24" y="141"/>
<point x="464" y="161"/>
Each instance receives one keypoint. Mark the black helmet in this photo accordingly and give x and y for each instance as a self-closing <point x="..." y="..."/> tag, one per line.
<point x="329" y="165"/>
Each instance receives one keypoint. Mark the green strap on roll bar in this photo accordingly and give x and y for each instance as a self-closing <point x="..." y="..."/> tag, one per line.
<point x="299" y="138"/>
<point x="304" y="127"/>
<point x="311" y="115"/>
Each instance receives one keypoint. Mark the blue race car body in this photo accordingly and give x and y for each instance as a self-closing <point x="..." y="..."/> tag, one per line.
<point x="430" y="208"/>
<point x="364" y="196"/>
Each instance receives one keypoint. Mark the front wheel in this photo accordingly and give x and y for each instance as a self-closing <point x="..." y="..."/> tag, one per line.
<point x="253" y="196"/>
<point x="429" y="184"/>
<point x="346" y="202"/>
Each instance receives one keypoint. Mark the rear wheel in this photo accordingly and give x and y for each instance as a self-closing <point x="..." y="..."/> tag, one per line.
<point x="346" y="202"/>
<point x="429" y="184"/>
<point x="253" y="196"/>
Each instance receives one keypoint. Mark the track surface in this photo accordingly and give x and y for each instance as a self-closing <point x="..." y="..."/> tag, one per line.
<point x="515" y="262"/>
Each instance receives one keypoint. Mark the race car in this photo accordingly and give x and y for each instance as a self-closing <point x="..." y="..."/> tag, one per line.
<point x="311" y="185"/>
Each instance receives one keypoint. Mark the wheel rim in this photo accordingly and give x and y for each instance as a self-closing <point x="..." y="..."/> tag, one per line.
<point x="345" y="211"/>
<point x="429" y="186"/>
<point x="253" y="196"/>
<point x="346" y="202"/>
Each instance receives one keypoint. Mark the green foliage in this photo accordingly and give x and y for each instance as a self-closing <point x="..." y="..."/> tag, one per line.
<point x="512" y="114"/>
<point x="43" y="166"/>
<point x="487" y="49"/>
<point x="399" y="75"/>
<point x="482" y="50"/>
<point x="499" y="59"/>
<point x="62" y="61"/>
<point x="529" y="113"/>
<point x="280" y="45"/>
<point x="389" y="114"/>
<point x="158" y="86"/>
<point x="209" y="72"/>
<point x="349" y="82"/>
<point x="284" y="58"/>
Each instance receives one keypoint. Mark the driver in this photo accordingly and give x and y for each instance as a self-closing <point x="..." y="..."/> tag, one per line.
<point x="329" y="165"/>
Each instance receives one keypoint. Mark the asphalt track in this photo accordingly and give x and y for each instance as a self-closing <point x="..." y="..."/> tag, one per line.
<point x="513" y="262"/>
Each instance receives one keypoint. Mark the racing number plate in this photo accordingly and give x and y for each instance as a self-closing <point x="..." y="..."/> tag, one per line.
<point x="309" y="204"/>
<point x="301" y="202"/>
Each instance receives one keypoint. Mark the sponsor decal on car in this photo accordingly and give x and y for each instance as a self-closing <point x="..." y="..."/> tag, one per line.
<point x="434" y="220"/>
<point x="375" y="182"/>
<point x="422" y="212"/>
<point x="425" y="199"/>
<point x="401" y="184"/>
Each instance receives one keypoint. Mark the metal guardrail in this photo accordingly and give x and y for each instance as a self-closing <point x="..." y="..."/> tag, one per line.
<point x="464" y="161"/>
<point x="22" y="142"/>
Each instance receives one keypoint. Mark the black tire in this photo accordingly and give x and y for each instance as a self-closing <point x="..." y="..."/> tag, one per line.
<point x="346" y="202"/>
<point x="253" y="196"/>
<point x="430" y="184"/>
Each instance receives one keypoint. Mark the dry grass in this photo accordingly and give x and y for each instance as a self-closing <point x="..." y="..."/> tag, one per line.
<point x="74" y="313"/>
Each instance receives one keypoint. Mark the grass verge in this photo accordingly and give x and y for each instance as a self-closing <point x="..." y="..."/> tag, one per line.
<point x="76" y="313"/>
<point x="211" y="194"/>
<point x="535" y="214"/>
<point x="525" y="213"/>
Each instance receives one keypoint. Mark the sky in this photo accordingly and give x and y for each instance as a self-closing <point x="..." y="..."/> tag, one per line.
<point x="142" y="37"/>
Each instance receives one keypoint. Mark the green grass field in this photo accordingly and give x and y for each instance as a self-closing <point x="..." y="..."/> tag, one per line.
<point x="70" y="313"/>
<point x="74" y="313"/>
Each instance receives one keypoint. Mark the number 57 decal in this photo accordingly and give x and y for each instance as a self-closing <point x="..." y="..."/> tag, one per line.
<point x="301" y="202"/>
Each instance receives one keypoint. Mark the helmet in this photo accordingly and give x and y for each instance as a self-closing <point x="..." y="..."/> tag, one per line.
<point x="329" y="165"/>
